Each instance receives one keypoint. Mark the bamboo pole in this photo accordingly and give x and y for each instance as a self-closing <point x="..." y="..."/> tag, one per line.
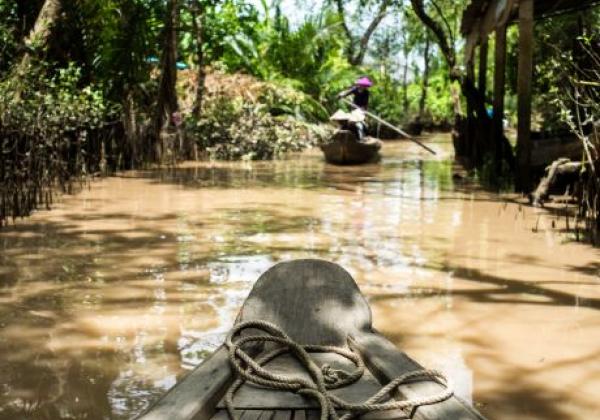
<point x="387" y="124"/>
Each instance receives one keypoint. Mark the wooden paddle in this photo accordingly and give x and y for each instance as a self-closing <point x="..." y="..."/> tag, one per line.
<point x="387" y="124"/>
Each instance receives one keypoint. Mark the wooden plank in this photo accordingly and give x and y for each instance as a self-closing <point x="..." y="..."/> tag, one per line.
<point x="496" y="15"/>
<point x="282" y="415"/>
<point x="299" y="415"/>
<point x="255" y="415"/>
<point x="312" y="415"/>
<point x="197" y="394"/>
<point x="526" y="10"/>
<point x="249" y="415"/>
<point x="386" y="362"/>
<point x="384" y="415"/>
<point x="220" y="415"/>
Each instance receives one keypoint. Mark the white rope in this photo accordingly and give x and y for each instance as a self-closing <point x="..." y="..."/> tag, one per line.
<point x="322" y="379"/>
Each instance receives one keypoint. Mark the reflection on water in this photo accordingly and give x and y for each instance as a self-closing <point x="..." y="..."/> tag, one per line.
<point x="238" y="268"/>
<point x="111" y="297"/>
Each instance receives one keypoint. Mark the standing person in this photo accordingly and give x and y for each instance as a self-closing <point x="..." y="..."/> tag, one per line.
<point x="360" y="92"/>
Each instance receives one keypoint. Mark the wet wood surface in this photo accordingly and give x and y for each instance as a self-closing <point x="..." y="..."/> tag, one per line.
<point x="345" y="149"/>
<point x="195" y="396"/>
<point x="387" y="363"/>
<point x="314" y="302"/>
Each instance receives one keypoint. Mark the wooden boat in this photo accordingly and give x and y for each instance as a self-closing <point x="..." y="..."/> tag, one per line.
<point x="345" y="149"/>
<point x="314" y="302"/>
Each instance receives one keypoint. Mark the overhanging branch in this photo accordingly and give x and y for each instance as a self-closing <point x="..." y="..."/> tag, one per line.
<point x="440" y="34"/>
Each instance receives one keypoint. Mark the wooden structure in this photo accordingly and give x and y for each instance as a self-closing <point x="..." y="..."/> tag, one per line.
<point x="345" y="149"/>
<point x="548" y="147"/>
<point x="480" y="20"/>
<point x="314" y="302"/>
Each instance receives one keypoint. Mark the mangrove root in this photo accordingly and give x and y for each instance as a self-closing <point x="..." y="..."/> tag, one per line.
<point x="560" y="170"/>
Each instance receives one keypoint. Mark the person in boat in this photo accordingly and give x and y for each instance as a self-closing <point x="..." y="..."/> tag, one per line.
<point x="360" y="93"/>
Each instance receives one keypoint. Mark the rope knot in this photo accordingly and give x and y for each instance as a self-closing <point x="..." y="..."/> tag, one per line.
<point x="322" y="379"/>
<point x="333" y="377"/>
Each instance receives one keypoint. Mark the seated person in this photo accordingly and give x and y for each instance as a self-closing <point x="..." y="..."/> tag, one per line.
<point x="360" y="92"/>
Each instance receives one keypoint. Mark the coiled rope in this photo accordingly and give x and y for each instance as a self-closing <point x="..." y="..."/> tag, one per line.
<point x="323" y="379"/>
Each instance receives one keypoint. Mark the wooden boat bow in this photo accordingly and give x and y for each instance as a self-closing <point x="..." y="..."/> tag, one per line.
<point x="313" y="302"/>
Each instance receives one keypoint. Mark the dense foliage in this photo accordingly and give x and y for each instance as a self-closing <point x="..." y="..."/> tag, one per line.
<point x="579" y="104"/>
<point x="45" y="143"/>
<point x="255" y="120"/>
<point x="237" y="130"/>
<point x="75" y="71"/>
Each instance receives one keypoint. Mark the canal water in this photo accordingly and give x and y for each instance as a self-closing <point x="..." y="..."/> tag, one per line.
<point x="112" y="296"/>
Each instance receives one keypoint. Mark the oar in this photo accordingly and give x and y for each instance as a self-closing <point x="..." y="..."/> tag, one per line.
<point x="387" y="124"/>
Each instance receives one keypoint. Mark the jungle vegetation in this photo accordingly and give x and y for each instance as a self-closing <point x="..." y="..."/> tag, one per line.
<point x="93" y="86"/>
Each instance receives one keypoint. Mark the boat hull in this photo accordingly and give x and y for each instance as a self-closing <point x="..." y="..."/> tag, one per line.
<point x="314" y="302"/>
<point x="345" y="149"/>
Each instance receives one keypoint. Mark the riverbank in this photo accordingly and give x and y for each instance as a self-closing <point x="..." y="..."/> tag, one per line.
<point x="118" y="291"/>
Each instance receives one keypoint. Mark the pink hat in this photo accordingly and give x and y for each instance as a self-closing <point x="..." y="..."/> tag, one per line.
<point x="364" y="82"/>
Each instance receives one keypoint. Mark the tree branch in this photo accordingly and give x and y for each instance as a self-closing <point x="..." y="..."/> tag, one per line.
<point x="450" y="32"/>
<point x="364" y="41"/>
<point x="39" y="36"/>
<point x="198" y="17"/>
<point x="342" y="16"/>
<point x="467" y="85"/>
<point x="438" y="31"/>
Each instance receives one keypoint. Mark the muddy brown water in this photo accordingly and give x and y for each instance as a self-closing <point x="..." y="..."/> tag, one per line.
<point x="109" y="298"/>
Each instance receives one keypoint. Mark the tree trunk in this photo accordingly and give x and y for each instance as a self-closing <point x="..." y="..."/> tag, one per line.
<point x="167" y="104"/>
<point x="198" y="26"/>
<point x="425" y="84"/>
<point x="405" y="88"/>
<point x="347" y="31"/>
<point x="39" y="36"/>
<point x="130" y="127"/>
<point x="356" y="58"/>
<point x="405" y="53"/>
<point x="475" y="99"/>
